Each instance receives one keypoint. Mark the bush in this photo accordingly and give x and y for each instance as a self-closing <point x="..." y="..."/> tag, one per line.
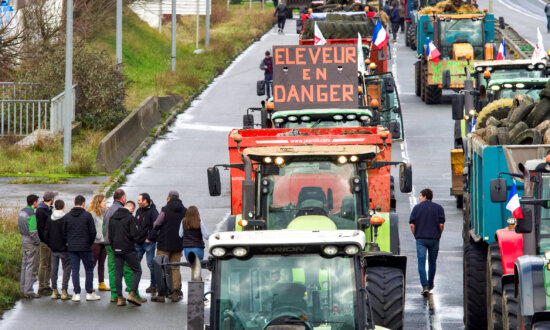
<point x="100" y="85"/>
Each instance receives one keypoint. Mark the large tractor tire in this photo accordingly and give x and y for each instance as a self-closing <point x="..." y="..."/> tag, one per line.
<point x="475" y="292"/>
<point x="432" y="94"/>
<point x="417" y="78"/>
<point x="412" y="41"/>
<point x="498" y="109"/>
<point x="541" y="325"/>
<point x="494" y="287"/>
<point x="509" y="307"/>
<point x="386" y="289"/>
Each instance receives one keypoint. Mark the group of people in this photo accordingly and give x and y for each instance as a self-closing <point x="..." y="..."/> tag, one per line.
<point x="89" y="235"/>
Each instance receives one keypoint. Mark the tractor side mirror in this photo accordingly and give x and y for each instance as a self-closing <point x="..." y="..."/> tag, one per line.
<point x="330" y="199"/>
<point x="214" y="182"/>
<point x="248" y="121"/>
<point x="446" y="79"/>
<point x="458" y="106"/>
<point x="525" y="225"/>
<point x="405" y="178"/>
<point x="390" y="85"/>
<point x="395" y="129"/>
<point x="501" y="23"/>
<point x="498" y="190"/>
<point x="381" y="55"/>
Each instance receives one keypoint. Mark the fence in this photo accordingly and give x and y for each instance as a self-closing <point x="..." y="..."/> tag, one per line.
<point x="21" y="114"/>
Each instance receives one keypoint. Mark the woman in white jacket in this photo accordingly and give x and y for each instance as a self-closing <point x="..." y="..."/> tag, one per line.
<point x="97" y="208"/>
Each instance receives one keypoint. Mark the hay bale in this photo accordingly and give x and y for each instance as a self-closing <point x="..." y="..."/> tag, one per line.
<point x="498" y="109"/>
<point x="450" y="7"/>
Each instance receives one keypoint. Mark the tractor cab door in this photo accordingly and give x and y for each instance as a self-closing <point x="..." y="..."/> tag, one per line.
<point x="383" y="88"/>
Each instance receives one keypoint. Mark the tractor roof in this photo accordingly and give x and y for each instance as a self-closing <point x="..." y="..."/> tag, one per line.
<point x="310" y="112"/>
<point x="506" y="63"/>
<point x="324" y="150"/>
<point x="286" y="237"/>
<point x="541" y="81"/>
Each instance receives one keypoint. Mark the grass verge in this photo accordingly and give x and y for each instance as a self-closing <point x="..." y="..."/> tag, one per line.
<point x="10" y="259"/>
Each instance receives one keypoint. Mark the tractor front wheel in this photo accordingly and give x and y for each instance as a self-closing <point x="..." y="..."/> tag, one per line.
<point x="509" y="307"/>
<point x="475" y="294"/>
<point x="386" y="296"/>
<point x="494" y="287"/>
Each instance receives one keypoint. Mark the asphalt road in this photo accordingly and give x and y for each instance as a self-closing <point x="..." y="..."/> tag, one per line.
<point x="198" y="139"/>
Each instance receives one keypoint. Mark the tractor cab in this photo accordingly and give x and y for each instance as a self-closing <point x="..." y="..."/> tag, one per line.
<point x="509" y="70"/>
<point x="311" y="118"/>
<point x="508" y="88"/>
<point x="461" y="36"/>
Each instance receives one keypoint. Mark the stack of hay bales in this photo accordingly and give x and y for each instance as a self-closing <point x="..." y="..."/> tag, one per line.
<point x="450" y="7"/>
<point x="516" y="121"/>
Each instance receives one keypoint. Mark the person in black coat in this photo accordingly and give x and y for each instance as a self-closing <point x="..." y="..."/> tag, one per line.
<point x="395" y="20"/>
<point x="123" y="233"/>
<point x="58" y="245"/>
<point x="280" y="12"/>
<point x="79" y="232"/>
<point x="146" y="215"/>
<point x="43" y="214"/>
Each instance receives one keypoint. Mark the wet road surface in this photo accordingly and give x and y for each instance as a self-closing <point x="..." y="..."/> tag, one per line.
<point x="199" y="139"/>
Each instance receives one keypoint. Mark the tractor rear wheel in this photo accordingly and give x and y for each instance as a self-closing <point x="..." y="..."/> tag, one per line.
<point x="386" y="289"/>
<point x="494" y="287"/>
<point x="475" y="294"/>
<point x="412" y="32"/>
<point x="432" y="94"/>
<point x="417" y="77"/>
<point x="509" y="307"/>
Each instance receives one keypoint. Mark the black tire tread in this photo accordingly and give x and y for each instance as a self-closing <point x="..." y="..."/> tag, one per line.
<point x="475" y="263"/>
<point x="494" y="286"/>
<point x="509" y="307"/>
<point x="386" y="288"/>
<point x="433" y="94"/>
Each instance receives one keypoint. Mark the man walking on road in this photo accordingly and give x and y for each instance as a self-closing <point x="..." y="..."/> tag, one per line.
<point x="146" y="215"/>
<point x="43" y="215"/>
<point x="30" y="244"/>
<point x="280" y="12"/>
<point x="547" y="12"/>
<point x="395" y="20"/>
<point x="267" y="66"/>
<point x="122" y="235"/>
<point x="427" y="221"/>
<point x="169" y="242"/>
<point x="79" y="231"/>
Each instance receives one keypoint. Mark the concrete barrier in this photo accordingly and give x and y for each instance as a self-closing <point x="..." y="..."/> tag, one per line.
<point x="132" y="131"/>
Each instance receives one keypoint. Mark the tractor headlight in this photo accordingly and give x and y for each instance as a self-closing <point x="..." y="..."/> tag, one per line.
<point x="540" y="66"/>
<point x="268" y="160"/>
<point x="278" y="120"/>
<point x="338" y="117"/>
<point x="305" y="118"/>
<point x="479" y="69"/>
<point x="279" y="161"/>
<point x="547" y="255"/>
<point x="520" y="85"/>
<point x="511" y="221"/>
<point x="353" y="159"/>
<point x="218" y="252"/>
<point x="342" y="160"/>
<point x="351" y="249"/>
<point x="351" y="117"/>
<point x="530" y="67"/>
<point x="495" y="88"/>
<point x="239" y="252"/>
<point x="292" y="118"/>
<point x="330" y="250"/>
<point x="507" y="85"/>
<point x="364" y="117"/>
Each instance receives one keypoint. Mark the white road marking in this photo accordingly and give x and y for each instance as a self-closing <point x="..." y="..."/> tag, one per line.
<point x="220" y="224"/>
<point x="519" y="9"/>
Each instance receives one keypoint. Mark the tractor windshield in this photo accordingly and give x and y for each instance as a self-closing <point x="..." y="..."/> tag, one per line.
<point x="545" y="216"/>
<point x="319" y="188"/>
<point x="510" y="73"/>
<point x="306" y="290"/>
<point x="508" y="93"/>
<point x="461" y="31"/>
<point x="383" y="88"/>
<point x="321" y="121"/>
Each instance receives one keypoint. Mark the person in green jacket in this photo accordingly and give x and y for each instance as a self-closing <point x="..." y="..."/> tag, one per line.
<point x="30" y="243"/>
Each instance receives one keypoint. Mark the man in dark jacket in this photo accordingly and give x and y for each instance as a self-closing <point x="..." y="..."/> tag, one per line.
<point x="58" y="245"/>
<point x="395" y="20"/>
<point x="43" y="214"/>
<point x="280" y="12"/>
<point x="79" y="231"/>
<point x="427" y="222"/>
<point x="169" y="242"/>
<point x="145" y="216"/>
<point x="122" y="235"/>
<point x="267" y="66"/>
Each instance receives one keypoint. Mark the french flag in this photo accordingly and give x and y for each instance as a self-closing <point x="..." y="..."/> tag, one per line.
<point x="380" y="36"/>
<point x="512" y="204"/>
<point x="432" y="52"/>
<point x="501" y="50"/>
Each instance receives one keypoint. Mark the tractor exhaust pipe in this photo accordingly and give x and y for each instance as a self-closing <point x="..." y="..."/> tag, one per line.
<point x="195" y="296"/>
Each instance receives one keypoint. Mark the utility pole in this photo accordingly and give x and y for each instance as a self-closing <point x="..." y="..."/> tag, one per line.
<point x="68" y="103"/>
<point x="173" y="35"/>
<point x="207" y="29"/>
<point x="160" y="16"/>
<point x="197" y="33"/>
<point x="491" y="6"/>
<point x="119" y="34"/>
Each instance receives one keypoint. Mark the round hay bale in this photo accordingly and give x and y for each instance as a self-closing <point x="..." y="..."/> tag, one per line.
<point x="518" y="128"/>
<point x="498" y="109"/>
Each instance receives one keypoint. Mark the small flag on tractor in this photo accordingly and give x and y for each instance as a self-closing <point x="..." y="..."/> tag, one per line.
<point x="538" y="54"/>
<point x="319" y="38"/>
<point x="360" y="57"/>
<point x="512" y="204"/>
<point x="379" y="36"/>
<point x="501" y="55"/>
<point x="432" y="52"/>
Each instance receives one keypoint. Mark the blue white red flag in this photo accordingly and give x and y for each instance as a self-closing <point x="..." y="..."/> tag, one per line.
<point x="380" y="37"/>
<point x="512" y="204"/>
<point x="501" y="51"/>
<point x="432" y="52"/>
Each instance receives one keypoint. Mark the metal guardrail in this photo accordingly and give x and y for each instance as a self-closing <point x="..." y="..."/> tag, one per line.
<point x="20" y="114"/>
<point x="521" y="47"/>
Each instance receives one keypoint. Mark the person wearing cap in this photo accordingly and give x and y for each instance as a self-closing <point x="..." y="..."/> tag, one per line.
<point x="43" y="216"/>
<point x="119" y="197"/>
<point x="168" y="241"/>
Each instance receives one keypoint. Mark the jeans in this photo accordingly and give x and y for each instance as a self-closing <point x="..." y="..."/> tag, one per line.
<point x="132" y="261"/>
<point x="268" y="78"/>
<point x="281" y="22"/>
<point x="431" y="246"/>
<point x="66" y="265"/>
<point x="394" y="28"/>
<point x="88" y="261"/>
<point x="149" y="250"/>
<point x="197" y="251"/>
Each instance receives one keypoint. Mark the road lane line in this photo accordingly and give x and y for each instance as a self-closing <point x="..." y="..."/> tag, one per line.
<point x="520" y="10"/>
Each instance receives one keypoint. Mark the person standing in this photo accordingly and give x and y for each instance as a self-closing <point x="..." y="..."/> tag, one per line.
<point x="427" y="221"/>
<point x="58" y="246"/>
<point x="79" y="231"/>
<point x="97" y="208"/>
<point x="547" y="12"/>
<point x="30" y="244"/>
<point x="280" y="12"/>
<point x="122" y="235"/>
<point x="169" y="242"/>
<point x="145" y="216"/>
<point x="267" y="66"/>
<point x="194" y="233"/>
<point x="43" y="214"/>
<point x="395" y="20"/>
